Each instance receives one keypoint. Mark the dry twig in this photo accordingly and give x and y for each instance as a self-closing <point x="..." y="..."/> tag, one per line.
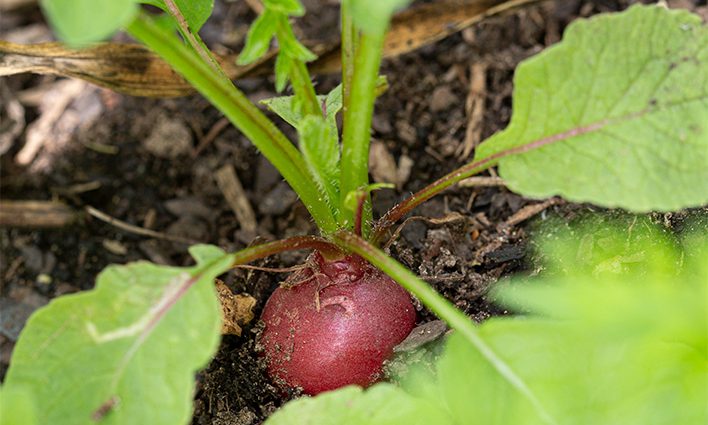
<point x="135" y="229"/>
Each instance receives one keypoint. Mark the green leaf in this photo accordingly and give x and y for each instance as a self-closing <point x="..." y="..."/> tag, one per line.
<point x="472" y="389"/>
<point x="195" y="12"/>
<point x="274" y="22"/>
<point x="167" y="23"/>
<point x="283" y="65"/>
<point x="581" y="371"/>
<point x="616" y="114"/>
<point x="382" y="404"/>
<point x="333" y="102"/>
<point x="289" y="45"/>
<point x="126" y="351"/>
<point x="373" y="16"/>
<point x="602" y="247"/>
<point x="81" y="22"/>
<point x="17" y="406"/>
<point x="285" y="106"/>
<point x="259" y="36"/>
<point x="619" y="348"/>
<point x="351" y="199"/>
<point x="319" y="144"/>
<point x="318" y="136"/>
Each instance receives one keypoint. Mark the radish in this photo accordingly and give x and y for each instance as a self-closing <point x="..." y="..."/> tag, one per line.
<point x="333" y="324"/>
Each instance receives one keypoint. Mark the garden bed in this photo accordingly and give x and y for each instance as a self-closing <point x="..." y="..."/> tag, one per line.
<point x="152" y="163"/>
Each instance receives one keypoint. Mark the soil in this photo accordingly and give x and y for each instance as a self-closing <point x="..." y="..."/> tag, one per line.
<point x="116" y="161"/>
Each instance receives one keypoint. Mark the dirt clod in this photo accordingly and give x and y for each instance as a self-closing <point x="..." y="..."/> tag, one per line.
<point x="169" y="139"/>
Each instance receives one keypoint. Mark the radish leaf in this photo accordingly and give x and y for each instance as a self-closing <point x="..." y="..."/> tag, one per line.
<point x="195" y="13"/>
<point x="382" y="404"/>
<point x="258" y="38"/>
<point x="373" y="16"/>
<point x="319" y="144"/>
<point x="126" y="351"/>
<point x="17" y="406"/>
<point x="273" y="22"/>
<point x="80" y="22"/>
<point x="616" y="114"/>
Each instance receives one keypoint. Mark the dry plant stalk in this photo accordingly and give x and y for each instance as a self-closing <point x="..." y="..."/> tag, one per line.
<point x="134" y="70"/>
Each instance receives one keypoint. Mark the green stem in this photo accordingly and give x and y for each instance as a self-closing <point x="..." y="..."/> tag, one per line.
<point x="304" y="90"/>
<point x="193" y="37"/>
<point x="476" y="166"/>
<point x="357" y="124"/>
<point x="328" y="249"/>
<point x="407" y="205"/>
<point x="442" y="308"/>
<point x="349" y="42"/>
<point x="241" y="112"/>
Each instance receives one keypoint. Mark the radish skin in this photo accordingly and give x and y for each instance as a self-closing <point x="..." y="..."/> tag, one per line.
<point x="333" y="324"/>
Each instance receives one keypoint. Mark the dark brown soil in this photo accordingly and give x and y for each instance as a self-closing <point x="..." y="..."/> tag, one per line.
<point x="422" y="117"/>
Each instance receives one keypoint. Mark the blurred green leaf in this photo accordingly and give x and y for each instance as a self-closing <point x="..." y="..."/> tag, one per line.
<point x="126" y="351"/>
<point x="258" y="39"/>
<point x="274" y="22"/>
<point x="17" y="406"/>
<point x="289" y="44"/>
<point x="605" y="245"/>
<point x="283" y="66"/>
<point x="382" y="404"/>
<point x="287" y="7"/>
<point x="81" y="22"/>
<point x="195" y="12"/>
<point x="616" y="114"/>
<point x="373" y="16"/>
<point x="613" y="348"/>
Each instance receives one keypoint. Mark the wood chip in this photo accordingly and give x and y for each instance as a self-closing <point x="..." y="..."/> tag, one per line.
<point x="114" y="247"/>
<point x="237" y="310"/>
<point x="44" y="129"/>
<point x="528" y="211"/>
<point x="403" y="173"/>
<point x="14" y="114"/>
<point x="231" y="188"/>
<point x="36" y="214"/>
<point x="482" y="181"/>
<point x="382" y="164"/>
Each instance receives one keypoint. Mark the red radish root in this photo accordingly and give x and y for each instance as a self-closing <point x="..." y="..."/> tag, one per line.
<point x="333" y="324"/>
